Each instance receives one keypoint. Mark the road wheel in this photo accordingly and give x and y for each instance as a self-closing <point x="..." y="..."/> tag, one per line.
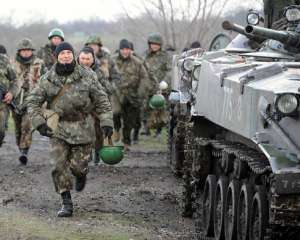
<point x="244" y="211"/>
<point x="208" y="204"/>
<point x="219" y="208"/>
<point x="259" y="215"/>
<point x="231" y="205"/>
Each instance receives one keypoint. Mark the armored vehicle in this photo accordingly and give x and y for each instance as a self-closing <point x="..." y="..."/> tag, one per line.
<point x="235" y="135"/>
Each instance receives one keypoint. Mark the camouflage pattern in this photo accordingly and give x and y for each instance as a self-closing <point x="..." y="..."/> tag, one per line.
<point x="7" y="80"/>
<point x="158" y="66"/>
<point x="28" y="74"/>
<point x="25" y="43"/>
<point x="133" y="74"/>
<point x="73" y="138"/>
<point x="93" y="39"/>
<point x="108" y="67"/>
<point x="108" y="89"/>
<point x="69" y="160"/>
<point x="47" y="54"/>
<point x="155" y="38"/>
<point x="85" y="96"/>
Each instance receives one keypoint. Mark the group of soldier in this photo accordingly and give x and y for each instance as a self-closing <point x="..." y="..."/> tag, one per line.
<point x="78" y="99"/>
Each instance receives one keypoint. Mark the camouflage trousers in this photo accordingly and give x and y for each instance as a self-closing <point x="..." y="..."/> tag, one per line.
<point x="99" y="135"/>
<point x="130" y="115"/>
<point x="22" y="130"/>
<point x="4" y="113"/>
<point x="157" y="119"/>
<point x="68" y="160"/>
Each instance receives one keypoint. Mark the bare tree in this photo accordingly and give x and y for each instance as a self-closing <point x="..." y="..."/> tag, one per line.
<point x="181" y="22"/>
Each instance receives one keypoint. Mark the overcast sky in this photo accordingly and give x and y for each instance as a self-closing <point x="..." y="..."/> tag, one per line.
<point x="25" y="11"/>
<point x="62" y="10"/>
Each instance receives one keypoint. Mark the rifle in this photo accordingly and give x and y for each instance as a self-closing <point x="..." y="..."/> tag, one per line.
<point x="12" y="104"/>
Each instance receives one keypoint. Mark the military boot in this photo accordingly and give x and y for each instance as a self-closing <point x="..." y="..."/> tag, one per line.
<point x="96" y="158"/>
<point x="80" y="183"/>
<point x="67" y="205"/>
<point x="23" y="158"/>
<point x="158" y="133"/>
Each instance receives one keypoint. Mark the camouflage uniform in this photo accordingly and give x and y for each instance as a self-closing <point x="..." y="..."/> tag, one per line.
<point x="108" y="90"/>
<point x="110" y="71"/>
<point x="133" y="74"/>
<point x="71" y="144"/>
<point x="7" y="81"/>
<point x="158" y="66"/>
<point x="28" y="73"/>
<point x="47" y="52"/>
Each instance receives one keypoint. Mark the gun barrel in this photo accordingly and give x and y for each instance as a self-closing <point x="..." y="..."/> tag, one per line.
<point x="285" y="37"/>
<point x="227" y="25"/>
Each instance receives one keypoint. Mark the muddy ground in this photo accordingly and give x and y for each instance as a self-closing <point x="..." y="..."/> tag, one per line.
<point x="136" y="200"/>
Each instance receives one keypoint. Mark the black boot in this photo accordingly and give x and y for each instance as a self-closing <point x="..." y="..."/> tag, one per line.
<point x="23" y="158"/>
<point x="96" y="158"/>
<point x="67" y="205"/>
<point x="80" y="183"/>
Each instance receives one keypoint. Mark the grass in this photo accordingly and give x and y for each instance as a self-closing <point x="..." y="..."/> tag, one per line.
<point x="16" y="225"/>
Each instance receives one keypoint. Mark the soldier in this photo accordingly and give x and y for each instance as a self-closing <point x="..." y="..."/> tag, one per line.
<point x="28" y="68"/>
<point x="86" y="58"/>
<point x="133" y="73"/>
<point x="111" y="73"/>
<point x="158" y="65"/>
<point x="7" y="82"/>
<point x="56" y="36"/>
<point x="138" y="124"/>
<point x="73" y="93"/>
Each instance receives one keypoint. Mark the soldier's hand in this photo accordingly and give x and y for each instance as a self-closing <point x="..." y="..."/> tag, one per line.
<point x="45" y="130"/>
<point x="107" y="131"/>
<point x="8" y="98"/>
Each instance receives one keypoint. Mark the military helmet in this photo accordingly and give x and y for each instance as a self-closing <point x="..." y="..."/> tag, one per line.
<point x="25" y="43"/>
<point x="94" y="40"/>
<point x="157" y="101"/>
<point x="56" y="32"/>
<point x="155" y="38"/>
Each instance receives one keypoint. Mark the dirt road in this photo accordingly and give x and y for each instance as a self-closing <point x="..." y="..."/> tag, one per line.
<point x="136" y="200"/>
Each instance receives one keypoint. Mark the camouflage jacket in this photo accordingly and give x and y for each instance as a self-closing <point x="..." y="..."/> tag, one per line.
<point x="133" y="74"/>
<point x="108" y="67"/>
<point x="84" y="97"/>
<point x="28" y="74"/>
<point x="46" y="54"/>
<point x="7" y="75"/>
<point x="108" y="87"/>
<point x="158" y="67"/>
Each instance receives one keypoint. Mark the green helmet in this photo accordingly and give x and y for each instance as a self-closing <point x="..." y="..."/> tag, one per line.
<point x="111" y="154"/>
<point x="94" y="40"/>
<point x="56" y="32"/>
<point x="157" y="101"/>
<point x="25" y="43"/>
<point x="155" y="38"/>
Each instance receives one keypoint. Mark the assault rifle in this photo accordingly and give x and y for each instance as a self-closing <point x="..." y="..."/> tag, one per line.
<point x="12" y="104"/>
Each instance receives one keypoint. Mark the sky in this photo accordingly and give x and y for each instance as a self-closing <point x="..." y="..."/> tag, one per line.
<point x="26" y="11"/>
<point x="21" y="11"/>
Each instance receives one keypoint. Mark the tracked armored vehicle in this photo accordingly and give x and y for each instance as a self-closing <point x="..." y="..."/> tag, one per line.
<point x="235" y="136"/>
